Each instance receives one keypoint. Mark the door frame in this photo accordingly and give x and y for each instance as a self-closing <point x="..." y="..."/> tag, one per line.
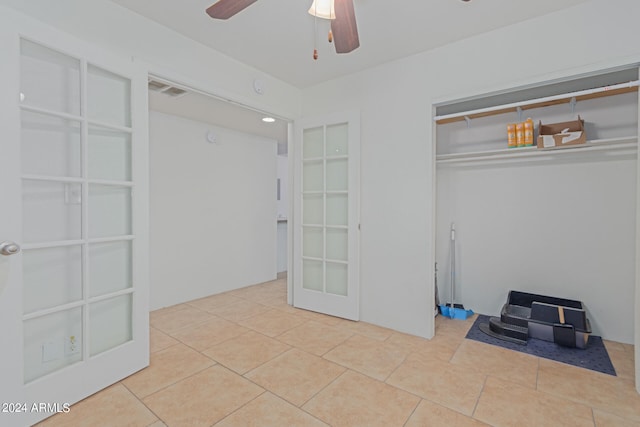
<point x="560" y="75"/>
<point x="195" y="85"/>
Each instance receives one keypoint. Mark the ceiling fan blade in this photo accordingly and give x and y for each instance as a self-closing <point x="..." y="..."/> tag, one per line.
<point x="344" y="28"/>
<point x="225" y="9"/>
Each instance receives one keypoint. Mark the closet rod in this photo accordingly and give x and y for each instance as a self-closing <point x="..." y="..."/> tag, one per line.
<point x="503" y="107"/>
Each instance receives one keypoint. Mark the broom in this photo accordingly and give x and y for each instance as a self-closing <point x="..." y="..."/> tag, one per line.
<point x="454" y="311"/>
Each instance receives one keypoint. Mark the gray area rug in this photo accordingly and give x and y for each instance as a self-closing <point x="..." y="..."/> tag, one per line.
<point x="594" y="356"/>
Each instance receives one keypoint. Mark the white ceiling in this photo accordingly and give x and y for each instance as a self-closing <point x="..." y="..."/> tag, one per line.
<point x="277" y="36"/>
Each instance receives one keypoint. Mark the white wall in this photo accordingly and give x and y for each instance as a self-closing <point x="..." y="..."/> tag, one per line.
<point x="559" y="228"/>
<point x="397" y="172"/>
<point x="212" y="210"/>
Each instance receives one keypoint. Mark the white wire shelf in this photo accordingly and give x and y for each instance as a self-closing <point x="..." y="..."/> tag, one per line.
<point x="629" y="143"/>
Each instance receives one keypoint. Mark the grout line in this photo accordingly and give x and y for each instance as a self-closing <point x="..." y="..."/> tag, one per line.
<point x="321" y="389"/>
<point x="268" y="361"/>
<point x="163" y="349"/>
<point x="190" y="325"/>
<point x="221" y="342"/>
<point x="144" y="404"/>
<point x="484" y="383"/>
<point x="240" y="407"/>
<point x="336" y="346"/>
<point x="404" y="359"/>
<point x="180" y="380"/>
<point x="413" y="411"/>
<point x="394" y="371"/>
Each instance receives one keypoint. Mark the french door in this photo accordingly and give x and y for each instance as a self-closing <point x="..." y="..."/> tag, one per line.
<point x="326" y="215"/>
<point x="73" y="190"/>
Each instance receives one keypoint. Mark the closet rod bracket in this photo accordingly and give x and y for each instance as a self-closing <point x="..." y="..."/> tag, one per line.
<point x="573" y="104"/>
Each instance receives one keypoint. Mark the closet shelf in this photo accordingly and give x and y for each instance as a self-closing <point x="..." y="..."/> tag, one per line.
<point x="77" y="180"/>
<point x="539" y="102"/>
<point x="611" y="144"/>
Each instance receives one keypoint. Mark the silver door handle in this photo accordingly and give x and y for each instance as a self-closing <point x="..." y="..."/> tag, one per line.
<point x="9" y="248"/>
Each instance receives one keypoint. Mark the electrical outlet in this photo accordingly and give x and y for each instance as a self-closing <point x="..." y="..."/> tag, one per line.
<point x="71" y="345"/>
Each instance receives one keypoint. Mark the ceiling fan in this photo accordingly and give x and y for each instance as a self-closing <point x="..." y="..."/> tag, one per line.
<point x="344" y="30"/>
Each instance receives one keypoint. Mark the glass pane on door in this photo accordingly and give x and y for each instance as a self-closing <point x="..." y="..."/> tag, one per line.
<point x="337" y="209"/>
<point x="312" y="275"/>
<point x="337" y="244"/>
<point x="108" y="97"/>
<point x="337" y="175"/>
<point x="109" y="211"/>
<point x="51" y="277"/>
<point x="110" y="323"/>
<point x="110" y="267"/>
<point x="313" y="245"/>
<point x="313" y="143"/>
<point x="337" y="278"/>
<point x="312" y="209"/>
<point x="109" y="154"/>
<point x="51" y="211"/>
<point x="48" y="79"/>
<point x="337" y="140"/>
<point x="313" y="176"/>
<point x="50" y="145"/>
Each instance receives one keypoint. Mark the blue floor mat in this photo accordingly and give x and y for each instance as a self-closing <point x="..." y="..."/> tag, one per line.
<point x="594" y="356"/>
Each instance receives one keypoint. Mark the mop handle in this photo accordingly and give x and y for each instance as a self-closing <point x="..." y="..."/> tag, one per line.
<point x="453" y="262"/>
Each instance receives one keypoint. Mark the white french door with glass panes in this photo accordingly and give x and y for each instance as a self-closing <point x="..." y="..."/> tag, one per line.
<point x="73" y="188"/>
<point x="326" y="215"/>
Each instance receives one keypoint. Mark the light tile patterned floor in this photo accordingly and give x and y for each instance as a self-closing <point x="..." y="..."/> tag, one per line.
<point x="246" y="358"/>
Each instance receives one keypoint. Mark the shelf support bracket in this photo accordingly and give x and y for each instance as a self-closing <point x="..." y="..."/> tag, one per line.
<point x="573" y="104"/>
<point x="519" y="110"/>
<point x="468" y="120"/>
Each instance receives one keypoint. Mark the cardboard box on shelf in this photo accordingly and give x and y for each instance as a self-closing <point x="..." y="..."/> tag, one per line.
<point x="561" y="134"/>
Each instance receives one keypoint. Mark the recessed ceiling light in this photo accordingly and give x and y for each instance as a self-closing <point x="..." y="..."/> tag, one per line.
<point x="268" y="119"/>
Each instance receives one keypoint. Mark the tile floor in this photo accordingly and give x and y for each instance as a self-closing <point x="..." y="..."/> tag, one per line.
<point x="246" y="358"/>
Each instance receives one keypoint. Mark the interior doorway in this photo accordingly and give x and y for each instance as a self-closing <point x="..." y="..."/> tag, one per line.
<point x="216" y="171"/>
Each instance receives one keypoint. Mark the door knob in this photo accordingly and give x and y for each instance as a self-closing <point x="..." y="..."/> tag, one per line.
<point x="9" y="248"/>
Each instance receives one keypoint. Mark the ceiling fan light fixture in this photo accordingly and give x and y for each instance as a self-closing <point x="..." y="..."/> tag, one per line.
<point x="323" y="9"/>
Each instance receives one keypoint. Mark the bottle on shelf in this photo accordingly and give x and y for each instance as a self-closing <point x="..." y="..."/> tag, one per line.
<point x="511" y="135"/>
<point x="520" y="134"/>
<point x="528" y="132"/>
